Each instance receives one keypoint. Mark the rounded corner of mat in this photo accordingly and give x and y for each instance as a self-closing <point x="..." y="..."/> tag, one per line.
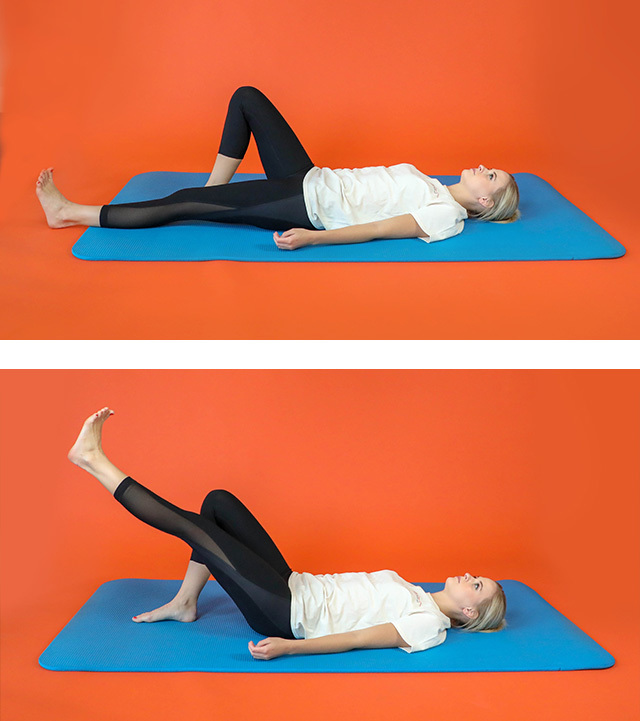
<point x="78" y="254"/>
<point x="42" y="662"/>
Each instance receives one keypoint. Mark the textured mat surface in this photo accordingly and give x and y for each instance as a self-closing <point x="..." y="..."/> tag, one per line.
<point x="551" y="228"/>
<point x="102" y="637"/>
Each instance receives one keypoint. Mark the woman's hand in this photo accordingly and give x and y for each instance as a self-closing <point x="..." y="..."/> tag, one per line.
<point x="269" y="648"/>
<point x="294" y="238"/>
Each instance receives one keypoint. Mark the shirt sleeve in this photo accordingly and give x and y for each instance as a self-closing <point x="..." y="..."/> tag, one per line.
<point x="420" y="631"/>
<point x="438" y="221"/>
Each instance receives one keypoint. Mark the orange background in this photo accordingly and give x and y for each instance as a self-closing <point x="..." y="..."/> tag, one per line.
<point x="104" y="91"/>
<point x="530" y="475"/>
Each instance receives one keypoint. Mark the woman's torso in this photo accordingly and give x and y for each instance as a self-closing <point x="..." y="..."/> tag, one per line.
<point x="335" y="603"/>
<point x="342" y="197"/>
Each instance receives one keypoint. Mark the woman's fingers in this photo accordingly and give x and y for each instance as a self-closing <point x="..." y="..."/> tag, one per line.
<point x="259" y="653"/>
<point x="264" y="650"/>
<point x="282" y="241"/>
<point x="292" y="239"/>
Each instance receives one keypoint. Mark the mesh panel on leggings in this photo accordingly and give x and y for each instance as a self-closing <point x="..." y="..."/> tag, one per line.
<point x="260" y="592"/>
<point x="272" y="204"/>
<point x="123" y="216"/>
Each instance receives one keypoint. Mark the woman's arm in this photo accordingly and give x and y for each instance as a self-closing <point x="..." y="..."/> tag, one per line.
<point x="402" y="226"/>
<point x="382" y="636"/>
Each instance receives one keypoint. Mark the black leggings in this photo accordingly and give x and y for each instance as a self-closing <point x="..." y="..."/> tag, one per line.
<point x="276" y="203"/>
<point x="230" y="542"/>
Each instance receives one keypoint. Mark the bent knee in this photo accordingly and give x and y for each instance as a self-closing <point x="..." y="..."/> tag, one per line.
<point x="246" y="93"/>
<point x="215" y="499"/>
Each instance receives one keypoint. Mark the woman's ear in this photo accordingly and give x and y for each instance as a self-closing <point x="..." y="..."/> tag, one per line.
<point x="486" y="202"/>
<point x="470" y="612"/>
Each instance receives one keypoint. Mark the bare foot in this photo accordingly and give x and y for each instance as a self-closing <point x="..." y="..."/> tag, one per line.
<point x="54" y="204"/>
<point x="185" y="611"/>
<point x="88" y="445"/>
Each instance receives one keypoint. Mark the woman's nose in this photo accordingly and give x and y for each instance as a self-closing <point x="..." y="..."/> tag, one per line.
<point x="481" y="168"/>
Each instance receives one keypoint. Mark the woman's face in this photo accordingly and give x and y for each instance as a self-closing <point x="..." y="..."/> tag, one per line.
<point x="469" y="591"/>
<point x="483" y="182"/>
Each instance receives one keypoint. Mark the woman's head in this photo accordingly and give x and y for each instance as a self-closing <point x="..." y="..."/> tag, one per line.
<point x="490" y="194"/>
<point x="475" y="603"/>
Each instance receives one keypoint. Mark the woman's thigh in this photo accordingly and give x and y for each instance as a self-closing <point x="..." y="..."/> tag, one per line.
<point x="235" y="518"/>
<point x="281" y="153"/>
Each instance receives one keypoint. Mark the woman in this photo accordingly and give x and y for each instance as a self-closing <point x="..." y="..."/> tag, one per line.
<point x="298" y="612"/>
<point x="316" y="206"/>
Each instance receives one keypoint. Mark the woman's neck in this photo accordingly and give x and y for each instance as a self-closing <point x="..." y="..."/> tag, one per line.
<point x="443" y="602"/>
<point x="460" y="196"/>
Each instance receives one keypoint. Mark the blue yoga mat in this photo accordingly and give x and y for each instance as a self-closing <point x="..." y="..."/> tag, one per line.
<point x="102" y="637"/>
<point x="551" y="228"/>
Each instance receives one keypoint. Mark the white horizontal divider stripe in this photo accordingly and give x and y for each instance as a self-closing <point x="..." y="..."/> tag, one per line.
<point x="373" y="354"/>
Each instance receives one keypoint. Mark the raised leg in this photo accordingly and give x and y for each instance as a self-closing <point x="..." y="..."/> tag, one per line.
<point x="250" y="112"/>
<point x="87" y="453"/>
<point x="258" y="590"/>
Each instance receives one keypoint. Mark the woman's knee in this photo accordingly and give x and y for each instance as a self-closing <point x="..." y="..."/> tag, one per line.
<point x="247" y="94"/>
<point x="215" y="500"/>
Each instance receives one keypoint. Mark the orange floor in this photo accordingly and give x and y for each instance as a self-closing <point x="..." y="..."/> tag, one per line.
<point x="530" y="475"/>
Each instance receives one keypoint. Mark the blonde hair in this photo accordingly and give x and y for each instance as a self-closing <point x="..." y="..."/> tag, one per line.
<point x="491" y="613"/>
<point x="505" y="205"/>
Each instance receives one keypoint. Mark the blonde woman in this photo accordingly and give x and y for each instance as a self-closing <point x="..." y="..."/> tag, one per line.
<point x="299" y="613"/>
<point x="314" y="206"/>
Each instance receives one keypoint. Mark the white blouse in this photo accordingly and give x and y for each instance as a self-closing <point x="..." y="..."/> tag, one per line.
<point x="340" y="602"/>
<point x="338" y="198"/>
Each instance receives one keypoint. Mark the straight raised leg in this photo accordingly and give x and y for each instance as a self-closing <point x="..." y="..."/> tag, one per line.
<point x="87" y="453"/>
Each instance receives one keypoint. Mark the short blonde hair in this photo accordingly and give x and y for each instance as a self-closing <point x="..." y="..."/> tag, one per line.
<point x="505" y="205"/>
<point x="491" y="614"/>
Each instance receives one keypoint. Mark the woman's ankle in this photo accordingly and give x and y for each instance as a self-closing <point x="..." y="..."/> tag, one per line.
<point x="185" y="601"/>
<point x="88" y="215"/>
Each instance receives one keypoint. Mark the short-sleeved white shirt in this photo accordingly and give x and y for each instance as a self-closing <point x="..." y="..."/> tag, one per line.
<point x="340" y="602"/>
<point x="338" y="198"/>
